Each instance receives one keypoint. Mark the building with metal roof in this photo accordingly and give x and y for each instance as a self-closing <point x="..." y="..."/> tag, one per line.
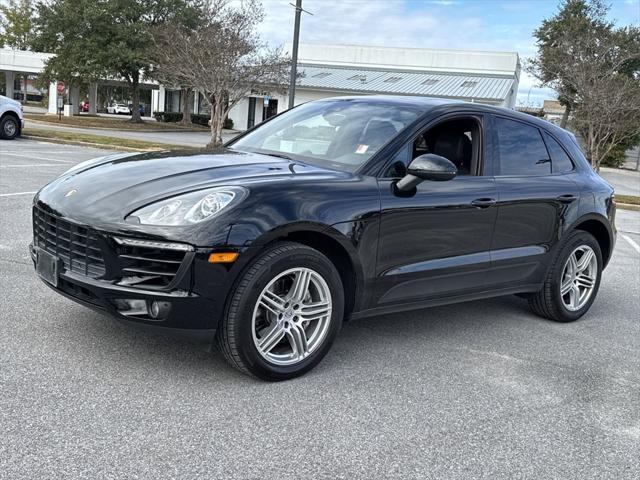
<point x="332" y="70"/>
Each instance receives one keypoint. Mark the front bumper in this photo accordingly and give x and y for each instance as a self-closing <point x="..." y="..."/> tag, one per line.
<point x="191" y="312"/>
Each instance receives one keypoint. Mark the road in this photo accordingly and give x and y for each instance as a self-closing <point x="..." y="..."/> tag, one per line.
<point x="626" y="182"/>
<point x="478" y="390"/>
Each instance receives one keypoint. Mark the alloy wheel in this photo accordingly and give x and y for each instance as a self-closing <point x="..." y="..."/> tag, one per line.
<point x="292" y="316"/>
<point x="579" y="277"/>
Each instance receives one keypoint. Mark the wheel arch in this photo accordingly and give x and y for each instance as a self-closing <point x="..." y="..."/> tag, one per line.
<point x="599" y="227"/>
<point x="335" y="246"/>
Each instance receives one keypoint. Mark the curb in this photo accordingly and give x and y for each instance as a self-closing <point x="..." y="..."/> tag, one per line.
<point x="62" y="125"/>
<point x="101" y="146"/>
<point x="628" y="206"/>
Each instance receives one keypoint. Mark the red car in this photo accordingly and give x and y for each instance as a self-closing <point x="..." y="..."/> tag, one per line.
<point x="84" y="106"/>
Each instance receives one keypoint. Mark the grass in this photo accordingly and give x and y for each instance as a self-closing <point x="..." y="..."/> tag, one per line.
<point x="87" y="121"/>
<point x="98" y="140"/>
<point x="628" y="199"/>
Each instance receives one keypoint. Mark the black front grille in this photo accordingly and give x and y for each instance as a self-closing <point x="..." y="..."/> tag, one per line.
<point x="75" y="245"/>
<point x="144" y="266"/>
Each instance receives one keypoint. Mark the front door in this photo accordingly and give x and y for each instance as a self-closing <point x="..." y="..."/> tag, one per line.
<point x="436" y="242"/>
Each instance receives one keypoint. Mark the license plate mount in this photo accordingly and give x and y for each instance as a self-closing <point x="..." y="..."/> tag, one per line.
<point x="47" y="267"/>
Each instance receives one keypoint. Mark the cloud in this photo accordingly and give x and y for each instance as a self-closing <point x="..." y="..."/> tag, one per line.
<point x="398" y="23"/>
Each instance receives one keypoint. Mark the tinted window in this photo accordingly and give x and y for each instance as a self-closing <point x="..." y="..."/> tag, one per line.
<point x="560" y="161"/>
<point x="522" y="151"/>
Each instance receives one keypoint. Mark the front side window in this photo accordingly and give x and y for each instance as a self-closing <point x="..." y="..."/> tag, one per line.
<point x="341" y="134"/>
<point x="521" y="149"/>
<point x="457" y="140"/>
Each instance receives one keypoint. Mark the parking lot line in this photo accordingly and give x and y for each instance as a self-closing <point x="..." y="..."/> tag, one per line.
<point x="32" y="165"/>
<point x="16" y="193"/>
<point x="36" y="157"/>
<point x="631" y="242"/>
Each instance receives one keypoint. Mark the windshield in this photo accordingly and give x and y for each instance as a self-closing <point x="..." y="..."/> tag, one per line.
<point x="341" y="134"/>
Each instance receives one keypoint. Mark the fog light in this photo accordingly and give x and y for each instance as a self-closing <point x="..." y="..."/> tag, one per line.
<point x="159" y="310"/>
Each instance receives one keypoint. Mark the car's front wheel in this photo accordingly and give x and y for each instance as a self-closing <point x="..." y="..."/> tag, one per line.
<point x="284" y="313"/>
<point x="9" y="127"/>
<point x="572" y="281"/>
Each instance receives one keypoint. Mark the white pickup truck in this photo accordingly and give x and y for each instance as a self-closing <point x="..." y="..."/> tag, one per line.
<point x="11" y="118"/>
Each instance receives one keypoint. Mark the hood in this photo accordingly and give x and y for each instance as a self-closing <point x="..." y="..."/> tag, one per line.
<point x="105" y="190"/>
<point x="10" y="101"/>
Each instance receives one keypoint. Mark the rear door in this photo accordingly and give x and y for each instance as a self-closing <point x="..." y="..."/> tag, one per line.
<point x="537" y="196"/>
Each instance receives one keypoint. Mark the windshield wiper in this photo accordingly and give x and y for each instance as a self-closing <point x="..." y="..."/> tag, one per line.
<point x="279" y="155"/>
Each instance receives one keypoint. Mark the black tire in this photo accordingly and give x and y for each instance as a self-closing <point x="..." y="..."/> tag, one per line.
<point x="548" y="302"/>
<point x="9" y="127"/>
<point x="235" y="335"/>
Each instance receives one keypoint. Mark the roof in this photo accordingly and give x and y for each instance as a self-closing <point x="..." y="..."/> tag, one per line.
<point x="410" y="59"/>
<point x="442" y="85"/>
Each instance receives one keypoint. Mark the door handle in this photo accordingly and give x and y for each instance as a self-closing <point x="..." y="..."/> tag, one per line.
<point x="569" y="198"/>
<point x="483" y="202"/>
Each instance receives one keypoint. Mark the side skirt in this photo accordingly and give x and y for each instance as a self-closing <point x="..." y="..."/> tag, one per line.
<point x="435" y="302"/>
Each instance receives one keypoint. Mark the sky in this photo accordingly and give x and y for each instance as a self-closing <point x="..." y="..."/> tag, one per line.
<point x="500" y="25"/>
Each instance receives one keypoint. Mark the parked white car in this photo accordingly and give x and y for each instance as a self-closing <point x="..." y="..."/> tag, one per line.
<point x="11" y="118"/>
<point x="118" y="108"/>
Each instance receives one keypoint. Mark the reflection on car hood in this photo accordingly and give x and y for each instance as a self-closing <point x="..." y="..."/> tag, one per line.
<point x="109" y="188"/>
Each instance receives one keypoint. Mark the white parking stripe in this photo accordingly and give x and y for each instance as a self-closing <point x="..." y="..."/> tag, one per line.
<point x="17" y="193"/>
<point x="36" y="157"/>
<point x="631" y="242"/>
<point x="34" y="165"/>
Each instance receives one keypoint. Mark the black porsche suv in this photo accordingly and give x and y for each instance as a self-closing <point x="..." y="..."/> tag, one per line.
<point x="337" y="209"/>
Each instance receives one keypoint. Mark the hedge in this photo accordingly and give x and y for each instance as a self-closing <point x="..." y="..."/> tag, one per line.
<point x="174" y="117"/>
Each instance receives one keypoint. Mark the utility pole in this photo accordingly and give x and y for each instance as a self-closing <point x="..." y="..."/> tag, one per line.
<point x="294" y="53"/>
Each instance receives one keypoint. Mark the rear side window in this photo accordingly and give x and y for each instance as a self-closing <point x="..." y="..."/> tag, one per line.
<point x="560" y="161"/>
<point x="522" y="151"/>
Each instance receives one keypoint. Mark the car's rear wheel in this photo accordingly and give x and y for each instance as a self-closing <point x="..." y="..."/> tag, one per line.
<point x="9" y="127"/>
<point x="573" y="280"/>
<point x="284" y="314"/>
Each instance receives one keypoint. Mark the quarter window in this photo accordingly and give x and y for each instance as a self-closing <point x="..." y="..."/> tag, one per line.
<point x="522" y="151"/>
<point x="560" y="161"/>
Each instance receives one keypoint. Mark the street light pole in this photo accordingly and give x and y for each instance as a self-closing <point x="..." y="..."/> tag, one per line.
<point x="294" y="54"/>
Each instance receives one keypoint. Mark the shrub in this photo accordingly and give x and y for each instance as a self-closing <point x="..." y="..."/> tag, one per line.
<point x="198" y="119"/>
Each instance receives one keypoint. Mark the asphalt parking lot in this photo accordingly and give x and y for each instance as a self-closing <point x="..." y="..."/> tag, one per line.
<point x="477" y="390"/>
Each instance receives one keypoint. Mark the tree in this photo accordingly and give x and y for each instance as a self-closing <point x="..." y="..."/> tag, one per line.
<point x="16" y="24"/>
<point x="223" y="58"/>
<point x="595" y="69"/>
<point x="110" y="38"/>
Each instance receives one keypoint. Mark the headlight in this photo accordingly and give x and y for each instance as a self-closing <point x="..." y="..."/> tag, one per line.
<point x="188" y="208"/>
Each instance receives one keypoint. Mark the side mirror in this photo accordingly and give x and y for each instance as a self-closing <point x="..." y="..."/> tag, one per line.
<point x="427" y="167"/>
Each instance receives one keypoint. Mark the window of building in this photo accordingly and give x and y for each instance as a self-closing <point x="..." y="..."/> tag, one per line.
<point x="468" y="84"/>
<point x="321" y="75"/>
<point x="430" y="81"/>
<point x="521" y="148"/>
<point x="361" y="78"/>
<point x="560" y="161"/>
<point x="393" y="79"/>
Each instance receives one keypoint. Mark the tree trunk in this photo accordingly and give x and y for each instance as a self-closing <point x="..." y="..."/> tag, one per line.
<point x="216" y="125"/>
<point x="135" y="94"/>
<point x="187" y="104"/>
<point x="25" y="78"/>
<point x="565" y="116"/>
